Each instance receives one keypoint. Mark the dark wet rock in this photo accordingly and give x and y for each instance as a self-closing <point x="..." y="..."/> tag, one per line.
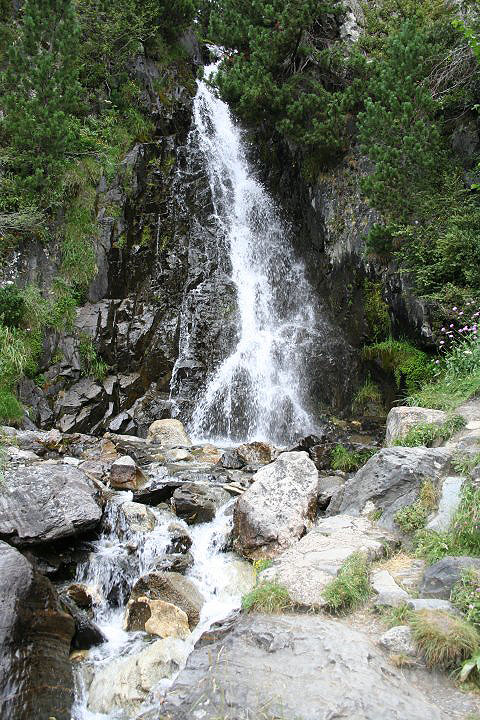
<point x="178" y="562"/>
<point x="173" y="588"/>
<point x="82" y="406"/>
<point x="279" y="505"/>
<point x="35" y="635"/>
<point x="392" y="479"/>
<point x="197" y="503"/>
<point x="337" y="673"/>
<point x="46" y="502"/>
<point x="87" y="633"/>
<point x="439" y="578"/>
<point x="230" y="460"/>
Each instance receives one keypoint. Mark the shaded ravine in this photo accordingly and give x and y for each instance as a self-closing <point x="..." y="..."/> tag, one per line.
<point x="258" y="391"/>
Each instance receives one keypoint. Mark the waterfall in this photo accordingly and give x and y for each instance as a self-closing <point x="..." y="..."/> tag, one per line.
<point x="256" y="391"/>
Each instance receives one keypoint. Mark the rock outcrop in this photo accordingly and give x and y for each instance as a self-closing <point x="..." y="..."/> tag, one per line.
<point x="336" y="672"/>
<point x="401" y="419"/>
<point x="46" y="502"/>
<point x="198" y="503"/>
<point x="277" y="508"/>
<point x="35" y="634"/>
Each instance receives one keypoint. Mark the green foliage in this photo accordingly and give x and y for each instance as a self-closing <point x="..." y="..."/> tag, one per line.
<point x="376" y="311"/>
<point x="368" y="399"/>
<point x="12" y="305"/>
<point x="471" y="670"/>
<point x="92" y="364"/>
<point x="11" y="412"/>
<point x="410" y="366"/>
<point x="43" y="95"/>
<point x="445" y="640"/>
<point x="457" y="377"/>
<point x="462" y="538"/>
<point x="397" y="128"/>
<point x="427" y="434"/>
<point x="349" y="460"/>
<point x="413" y="517"/>
<point x="466" y="595"/>
<point x="268" y="597"/>
<point x="463" y="463"/>
<point x="351" y="587"/>
<point x="400" y="615"/>
<point x="281" y="70"/>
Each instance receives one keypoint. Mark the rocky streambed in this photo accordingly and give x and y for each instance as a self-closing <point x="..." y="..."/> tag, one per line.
<point x="123" y="562"/>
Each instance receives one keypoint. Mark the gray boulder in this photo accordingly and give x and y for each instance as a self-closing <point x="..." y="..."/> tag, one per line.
<point x="46" y="502"/>
<point x="392" y="479"/>
<point x="439" y="578"/>
<point x="197" y="502"/>
<point x="296" y="666"/>
<point x="314" y="561"/>
<point x="401" y="419"/>
<point x="399" y="640"/>
<point x="277" y="508"/>
<point x="35" y="634"/>
<point x="168" y="433"/>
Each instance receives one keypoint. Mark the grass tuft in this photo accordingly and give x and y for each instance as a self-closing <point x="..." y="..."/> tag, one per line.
<point x="413" y="517"/>
<point x="444" y="640"/>
<point x="351" y="588"/>
<point x="349" y="460"/>
<point x="267" y="597"/>
<point x="427" y="434"/>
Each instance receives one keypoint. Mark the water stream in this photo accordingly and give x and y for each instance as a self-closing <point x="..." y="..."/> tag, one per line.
<point x="255" y="393"/>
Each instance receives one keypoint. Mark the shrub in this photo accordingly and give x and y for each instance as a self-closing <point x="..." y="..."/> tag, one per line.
<point x="413" y="517"/>
<point x="426" y="434"/>
<point x="376" y="311"/>
<point x="351" y="587"/>
<point x="269" y="597"/>
<point x="12" y="305"/>
<point x="92" y="364"/>
<point x="445" y="640"/>
<point x="368" y="398"/>
<point x="410" y="366"/>
<point x="466" y="595"/>
<point x="11" y="412"/>
<point x="349" y="460"/>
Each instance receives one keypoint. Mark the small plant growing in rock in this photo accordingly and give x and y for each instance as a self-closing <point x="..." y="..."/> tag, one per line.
<point x="400" y="615"/>
<point x="466" y="595"/>
<point x="368" y="399"/>
<point x="349" y="460"/>
<point x="470" y="670"/>
<point x="413" y="517"/>
<point x="427" y="434"/>
<point x="268" y="597"/>
<point x="92" y="364"/>
<point x="351" y="587"/>
<point x="444" y="640"/>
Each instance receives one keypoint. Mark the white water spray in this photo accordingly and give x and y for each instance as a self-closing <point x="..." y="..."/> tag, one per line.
<point x="256" y="392"/>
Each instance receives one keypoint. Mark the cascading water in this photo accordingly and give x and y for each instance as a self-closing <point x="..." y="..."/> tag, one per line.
<point x="123" y="553"/>
<point x="256" y="392"/>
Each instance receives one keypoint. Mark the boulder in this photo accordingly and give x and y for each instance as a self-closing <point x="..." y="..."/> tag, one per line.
<point x="125" y="475"/>
<point x="256" y="453"/>
<point x="328" y="487"/>
<point x="46" y="502"/>
<point x="35" y="635"/>
<point x="198" y="503"/>
<point x="314" y="561"/>
<point x="392" y="479"/>
<point x="87" y="633"/>
<point x="431" y="604"/>
<point x="399" y="641"/>
<point x="83" y="595"/>
<point x="401" y="419"/>
<point x="448" y="505"/>
<point x="439" y="578"/>
<point x="137" y="517"/>
<point x="176" y="455"/>
<point x="168" y="434"/>
<point x="389" y="594"/>
<point x="305" y="667"/>
<point x="277" y="508"/>
<point x="156" y="617"/>
<point x="175" y="562"/>
<point x="172" y="588"/>
<point x="207" y="454"/>
<point x="124" y="683"/>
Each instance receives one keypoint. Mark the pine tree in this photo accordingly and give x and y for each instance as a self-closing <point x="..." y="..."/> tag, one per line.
<point x="42" y="94"/>
<point x="398" y="130"/>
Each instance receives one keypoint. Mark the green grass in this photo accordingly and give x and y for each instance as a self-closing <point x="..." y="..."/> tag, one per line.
<point x="411" y="368"/>
<point x="465" y="595"/>
<point x="426" y="434"/>
<point x="92" y="364"/>
<point x="267" y="597"/>
<point x="11" y="412"/>
<point x="462" y="537"/>
<point x="400" y="615"/>
<point x="349" y="460"/>
<point x="444" y="640"/>
<point x="351" y="588"/>
<point x="368" y="398"/>
<point x="413" y="517"/>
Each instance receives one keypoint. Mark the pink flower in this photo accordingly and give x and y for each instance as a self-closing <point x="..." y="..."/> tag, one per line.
<point x="454" y="309"/>
<point x="442" y="342"/>
<point x="452" y="325"/>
